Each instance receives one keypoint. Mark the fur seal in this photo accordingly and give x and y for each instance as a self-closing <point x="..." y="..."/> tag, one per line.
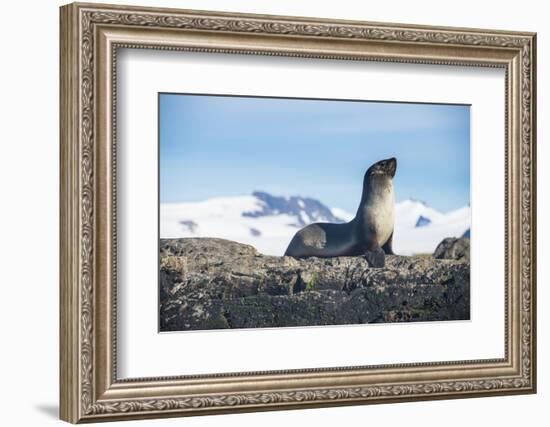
<point x="370" y="233"/>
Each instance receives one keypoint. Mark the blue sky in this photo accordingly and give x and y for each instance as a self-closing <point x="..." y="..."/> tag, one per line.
<point x="214" y="146"/>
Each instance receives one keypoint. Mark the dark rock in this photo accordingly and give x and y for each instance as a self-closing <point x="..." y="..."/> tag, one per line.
<point x="297" y="207"/>
<point x="255" y="232"/>
<point x="189" y="225"/>
<point x="422" y="221"/>
<point x="453" y="248"/>
<point x="216" y="284"/>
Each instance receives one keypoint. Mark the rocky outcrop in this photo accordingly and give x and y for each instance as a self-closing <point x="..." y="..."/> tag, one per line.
<point x="453" y="248"/>
<point x="215" y="284"/>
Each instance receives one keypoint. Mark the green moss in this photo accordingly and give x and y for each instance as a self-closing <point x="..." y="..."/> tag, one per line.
<point x="446" y="278"/>
<point x="429" y="308"/>
<point x="311" y="284"/>
<point x="420" y="311"/>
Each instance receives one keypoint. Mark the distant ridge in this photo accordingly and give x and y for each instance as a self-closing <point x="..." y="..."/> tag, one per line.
<point x="305" y="209"/>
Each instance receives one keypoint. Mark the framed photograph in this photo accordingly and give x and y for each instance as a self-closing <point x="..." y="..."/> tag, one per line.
<point x="266" y="212"/>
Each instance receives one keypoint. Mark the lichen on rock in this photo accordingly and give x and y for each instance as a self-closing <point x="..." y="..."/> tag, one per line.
<point x="208" y="283"/>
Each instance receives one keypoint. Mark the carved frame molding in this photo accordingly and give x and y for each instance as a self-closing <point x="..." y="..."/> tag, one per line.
<point x="90" y="36"/>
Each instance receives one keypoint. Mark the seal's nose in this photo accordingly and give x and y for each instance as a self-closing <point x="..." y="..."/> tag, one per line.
<point x="392" y="166"/>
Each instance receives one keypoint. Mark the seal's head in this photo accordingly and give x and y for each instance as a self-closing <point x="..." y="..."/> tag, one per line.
<point x="383" y="168"/>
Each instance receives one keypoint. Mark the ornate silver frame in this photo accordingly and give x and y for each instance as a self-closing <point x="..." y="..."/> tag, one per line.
<point x="90" y="36"/>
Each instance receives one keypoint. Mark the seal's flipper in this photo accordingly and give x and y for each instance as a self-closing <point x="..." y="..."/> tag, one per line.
<point x="376" y="258"/>
<point x="387" y="247"/>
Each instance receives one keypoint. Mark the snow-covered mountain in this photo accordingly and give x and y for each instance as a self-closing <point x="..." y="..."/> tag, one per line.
<point x="419" y="228"/>
<point x="304" y="209"/>
<point x="268" y="222"/>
